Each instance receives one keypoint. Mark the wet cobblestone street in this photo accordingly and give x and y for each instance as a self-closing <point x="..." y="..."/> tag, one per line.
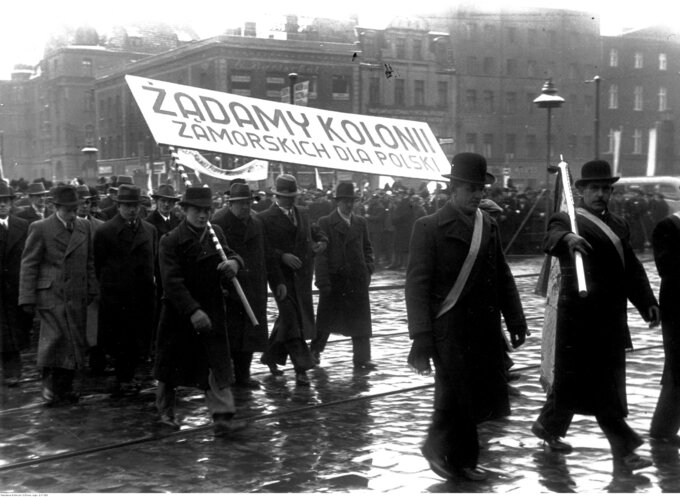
<point x="348" y="431"/>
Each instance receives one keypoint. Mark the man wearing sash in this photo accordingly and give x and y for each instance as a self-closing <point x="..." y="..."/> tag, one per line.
<point x="457" y="285"/>
<point x="592" y="332"/>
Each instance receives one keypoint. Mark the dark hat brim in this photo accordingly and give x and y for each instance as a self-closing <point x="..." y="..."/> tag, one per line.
<point x="489" y="179"/>
<point x="608" y="179"/>
<point x="286" y="194"/>
<point x="234" y="199"/>
<point x="168" y="197"/>
<point x="72" y="203"/>
<point x="201" y="204"/>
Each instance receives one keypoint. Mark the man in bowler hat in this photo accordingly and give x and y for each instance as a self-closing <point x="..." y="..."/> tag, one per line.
<point x="57" y="281"/>
<point x="37" y="196"/>
<point x="295" y="243"/>
<point x="343" y="275"/>
<point x="192" y="348"/>
<point x="125" y="251"/>
<point x="458" y="284"/>
<point x="592" y="334"/>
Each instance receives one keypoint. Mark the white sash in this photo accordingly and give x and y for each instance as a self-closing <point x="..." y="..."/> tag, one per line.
<point x="458" y="286"/>
<point x="606" y="230"/>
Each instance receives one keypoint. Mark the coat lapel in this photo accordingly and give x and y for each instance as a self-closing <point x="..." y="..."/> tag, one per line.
<point x="78" y="236"/>
<point x="14" y="234"/>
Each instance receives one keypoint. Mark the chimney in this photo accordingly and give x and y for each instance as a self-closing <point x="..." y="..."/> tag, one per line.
<point x="250" y="29"/>
<point x="292" y="25"/>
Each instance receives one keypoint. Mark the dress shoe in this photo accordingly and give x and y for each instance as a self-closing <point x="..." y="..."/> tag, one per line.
<point x="225" y="424"/>
<point x="513" y="376"/>
<point x="170" y="421"/>
<point x="62" y="400"/>
<point x="316" y="356"/>
<point x="365" y="365"/>
<point x="473" y="474"/>
<point x="629" y="463"/>
<point x="552" y="442"/>
<point x="438" y="463"/>
<point x="247" y="384"/>
<point x="301" y="379"/>
<point x="274" y="369"/>
<point x="671" y="440"/>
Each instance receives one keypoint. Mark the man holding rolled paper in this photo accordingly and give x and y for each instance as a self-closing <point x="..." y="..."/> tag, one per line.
<point x="592" y="333"/>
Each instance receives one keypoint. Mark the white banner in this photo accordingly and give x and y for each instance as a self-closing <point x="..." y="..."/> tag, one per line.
<point x="195" y="118"/>
<point x="255" y="170"/>
<point x="651" y="154"/>
<point x="617" y="151"/>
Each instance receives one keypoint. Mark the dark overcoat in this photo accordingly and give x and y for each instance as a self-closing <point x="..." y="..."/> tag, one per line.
<point x="124" y="264"/>
<point x="15" y="325"/>
<point x="469" y="344"/>
<point x="666" y="244"/>
<point x="162" y="226"/>
<point x="345" y="267"/>
<point x="296" y="312"/>
<point x="30" y="214"/>
<point x="592" y="332"/>
<point x="191" y="281"/>
<point x="57" y="276"/>
<point x="247" y="239"/>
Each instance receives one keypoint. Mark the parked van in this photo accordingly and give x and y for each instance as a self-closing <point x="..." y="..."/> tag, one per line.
<point x="668" y="186"/>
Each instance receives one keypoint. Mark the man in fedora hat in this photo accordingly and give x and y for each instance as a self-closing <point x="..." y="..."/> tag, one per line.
<point x="57" y="281"/>
<point x="458" y="284"/>
<point x="343" y="275"/>
<point x="15" y="325"/>
<point x="592" y="334"/>
<point x="193" y="348"/>
<point x="245" y="233"/>
<point x="125" y="251"/>
<point x="108" y="206"/>
<point x="295" y="243"/>
<point x="37" y="196"/>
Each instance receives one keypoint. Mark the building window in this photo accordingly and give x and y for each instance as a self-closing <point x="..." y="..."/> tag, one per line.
<point x="87" y="68"/>
<point x="240" y="84"/>
<point x="340" y="87"/>
<point x="419" y="92"/>
<point x="417" y="49"/>
<point x="532" y="146"/>
<point x="374" y="91"/>
<point x="472" y="65"/>
<point x="312" y="87"/>
<point x="488" y="65"/>
<point x="489" y="31"/>
<point x="511" y="67"/>
<point x="532" y="36"/>
<point x="637" y="141"/>
<point x="613" y="58"/>
<point x="613" y="97"/>
<point x="512" y="34"/>
<point x="663" y="62"/>
<point x="588" y="104"/>
<point x="443" y="94"/>
<point x="638" y="60"/>
<point x="488" y="101"/>
<point x="401" y="48"/>
<point x="610" y="142"/>
<point x="471" y="142"/>
<point x="510" y="146"/>
<point x="487" y="151"/>
<point x="274" y="84"/>
<point x="471" y="100"/>
<point x="531" y="68"/>
<point x="511" y="102"/>
<point x="470" y="30"/>
<point x="399" y="92"/>
<point x="552" y="38"/>
<point x="663" y="99"/>
<point x="637" y="98"/>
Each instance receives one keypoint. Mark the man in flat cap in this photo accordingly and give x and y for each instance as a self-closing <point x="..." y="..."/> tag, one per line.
<point x="125" y="251"/>
<point x="592" y="334"/>
<point x="295" y="244"/>
<point x="458" y="284"/>
<point x="57" y="282"/>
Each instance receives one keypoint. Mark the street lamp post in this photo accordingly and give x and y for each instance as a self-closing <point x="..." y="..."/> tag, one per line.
<point x="292" y="78"/>
<point x="548" y="99"/>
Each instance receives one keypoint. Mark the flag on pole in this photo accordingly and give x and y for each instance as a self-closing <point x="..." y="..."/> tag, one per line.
<point x="651" y="154"/>
<point x="319" y="184"/>
<point x="149" y="183"/>
<point x="2" y="174"/>
<point x="617" y="151"/>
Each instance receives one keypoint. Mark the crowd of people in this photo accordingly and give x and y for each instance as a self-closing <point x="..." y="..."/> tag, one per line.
<point x="107" y="276"/>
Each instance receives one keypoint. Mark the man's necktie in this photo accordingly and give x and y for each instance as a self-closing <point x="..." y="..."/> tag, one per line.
<point x="69" y="226"/>
<point x="291" y="216"/>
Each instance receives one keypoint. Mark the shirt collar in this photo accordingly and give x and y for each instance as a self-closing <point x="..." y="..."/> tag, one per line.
<point x="4" y="221"/>
<point x="347" y="219"/>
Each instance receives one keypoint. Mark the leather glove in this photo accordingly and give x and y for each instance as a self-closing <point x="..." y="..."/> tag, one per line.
<point x="228" y="268"/>
<point x="292" y="261"/>
<point x="422" y="350"/>
<point x="653" y="316"/>
<point x="281" y="292"/>
<point x="517" y="338"/>
<point x="200" y="321"/>
<point x="577" y="243"/>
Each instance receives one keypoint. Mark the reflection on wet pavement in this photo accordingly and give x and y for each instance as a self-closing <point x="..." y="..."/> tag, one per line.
<point x="348" y="432"/>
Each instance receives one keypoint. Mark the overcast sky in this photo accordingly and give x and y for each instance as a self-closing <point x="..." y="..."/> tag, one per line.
<point x="26" y="24"/>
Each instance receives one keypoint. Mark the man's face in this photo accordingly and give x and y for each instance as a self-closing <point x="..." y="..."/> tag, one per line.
<point x="67" y="212"/>
<point x="197" y="217"/>
<point x="345" y="206"/>
<point x="240" y="209"/>
<point x="84" y="208"/>
<point x="37" y="201"/>
<point x="596" y="195"/>
<point x="285" y="202"/>
<point x="5" y="206"/>
<point x="467" y="197"/>
<point x="129" y="211"/>
<point x="164" y="206"/>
